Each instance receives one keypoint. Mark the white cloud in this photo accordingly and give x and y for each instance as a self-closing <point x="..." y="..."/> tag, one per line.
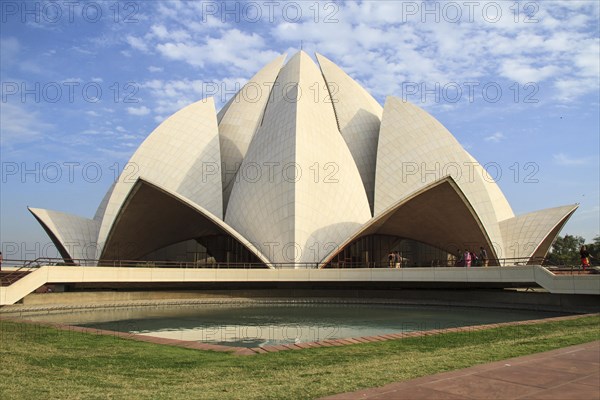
<point x="495" y="138"/>
<point x="139" y="111"/>
<point x="181" y="51"/>
<point x="92" y="113"/>
<point x="173" y="95"/>
<point x="588" y="59"/>
<point x="21" y="125"/>
<point x="523" y="73"/>
<point x="234" y="49"/>
<point x="161" y="32"/>
<point x="569" y="90"/>
<point x="563" y="159"/>
<point x="82" y="50"/>
<point x="192" y="16"/>
<point x="137" y="43"/>
<point x="471" y="51"/>
<point x="152" y="68"/>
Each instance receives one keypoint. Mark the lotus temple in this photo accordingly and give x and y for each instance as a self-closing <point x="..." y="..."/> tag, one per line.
<point x="303" y="168"/>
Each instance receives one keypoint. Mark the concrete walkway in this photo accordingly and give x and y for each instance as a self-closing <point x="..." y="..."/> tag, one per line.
<point x="568" y="373"/>
<point x="434" y="278"/>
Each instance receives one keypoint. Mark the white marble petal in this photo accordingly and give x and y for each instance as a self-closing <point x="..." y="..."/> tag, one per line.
<point x="415" y="150"/>
<point x="182" y="155"/>
<point x="239" y="120"/>
<point x="359" y="118"/>
<point x="75" y="237"/>
<point x="309" y="193"/>
<point x="532" y="234"/>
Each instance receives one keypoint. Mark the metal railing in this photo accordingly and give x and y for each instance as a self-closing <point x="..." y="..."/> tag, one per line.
<point x="572" y="269"/>
<point x="23" y="267"/>
<point x="440" y="263"/>
<point x="27" y="265"/>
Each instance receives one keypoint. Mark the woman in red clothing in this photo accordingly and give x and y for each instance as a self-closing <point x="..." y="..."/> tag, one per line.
<point x="467" y="258"/>
<point x="585" y="257"/>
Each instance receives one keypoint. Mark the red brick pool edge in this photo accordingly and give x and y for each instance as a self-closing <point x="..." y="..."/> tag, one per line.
<point x="244" y="351"/>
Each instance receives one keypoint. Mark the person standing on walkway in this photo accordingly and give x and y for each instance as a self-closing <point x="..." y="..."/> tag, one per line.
<point x="467" y="258"/>
<point x="585" y="257"/>
<point x="398" y="259"/>
<point x="483" y="256"/>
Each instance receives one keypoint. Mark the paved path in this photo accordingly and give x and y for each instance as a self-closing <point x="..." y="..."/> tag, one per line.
<point x="568" y="373"/>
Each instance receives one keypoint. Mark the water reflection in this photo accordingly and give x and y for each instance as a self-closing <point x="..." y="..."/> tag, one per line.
<point x="259" y="325"/>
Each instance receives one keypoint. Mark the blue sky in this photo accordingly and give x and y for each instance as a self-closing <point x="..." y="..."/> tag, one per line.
<point x="84" y="83"/>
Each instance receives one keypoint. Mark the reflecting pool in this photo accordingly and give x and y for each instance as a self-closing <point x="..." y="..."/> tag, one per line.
<point x="257" y="325"/>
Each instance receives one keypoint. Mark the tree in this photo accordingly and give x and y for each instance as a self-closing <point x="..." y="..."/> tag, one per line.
<point x="565" y="250"/>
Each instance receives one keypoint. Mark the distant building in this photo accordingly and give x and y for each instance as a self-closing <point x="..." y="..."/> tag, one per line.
<point x="302" y="167"/>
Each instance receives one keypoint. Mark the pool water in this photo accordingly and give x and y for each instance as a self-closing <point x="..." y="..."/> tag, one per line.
<point x="271" y="324"/>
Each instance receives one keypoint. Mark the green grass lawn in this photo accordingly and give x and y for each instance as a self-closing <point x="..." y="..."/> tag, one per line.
<point x="41" y="362"/>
